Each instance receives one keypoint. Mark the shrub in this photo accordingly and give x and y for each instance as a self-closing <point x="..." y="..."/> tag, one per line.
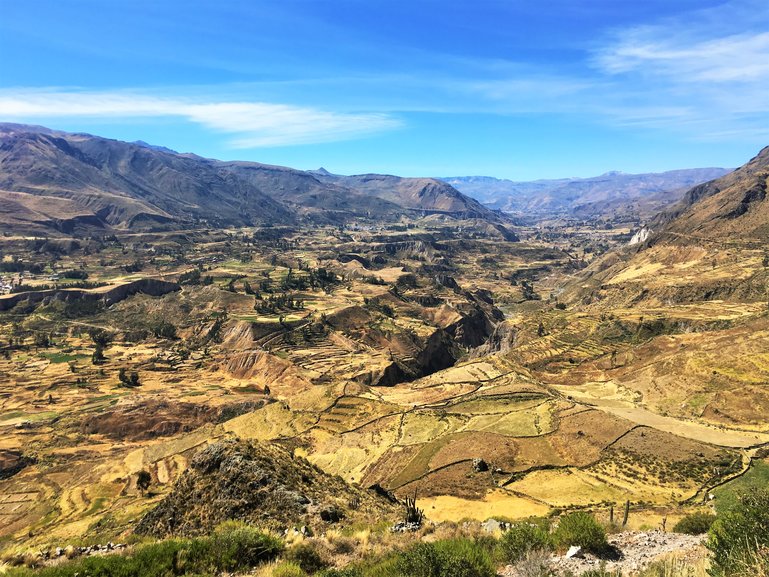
<point x="739" y="538"/>
<point x="235" y="547"/>
<point x="521" y="538"/>
<point x="583" y="530"/>
<point x="288" y="569"/>
<point x="162" y="329"/>
<point x="449" y="558"/>
<point x="535" y="563"/>
<point x="695" y="524"/>
<point x="306" y="556"/>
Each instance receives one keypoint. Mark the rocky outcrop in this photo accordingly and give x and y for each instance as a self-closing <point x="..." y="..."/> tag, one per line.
<point x="261" y="483"/>
<point x="502" y="340"/>
<point x="265" y="371"/>
<point x="11" y="462"/>
<point x="640" y="236"/>
<point x="107" y="295"/>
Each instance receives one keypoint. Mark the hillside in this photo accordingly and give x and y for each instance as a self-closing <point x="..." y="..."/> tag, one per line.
<point x="641" y="194"/>
<point x="426" y="194"/>
<point x="56" y="181"/>
<point x="734" y="206"/>
<point x="711" y="246"/>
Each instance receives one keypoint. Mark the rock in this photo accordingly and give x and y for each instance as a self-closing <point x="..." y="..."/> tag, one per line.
<point x="404" y="527"/>
<point x="59" y="551"/>
<point x="331" y="515"/>
<point x="479" y="465"/>
<point x="493" y="526"/>
<point x="208" y="459"/>
<point x="574" y="552"/>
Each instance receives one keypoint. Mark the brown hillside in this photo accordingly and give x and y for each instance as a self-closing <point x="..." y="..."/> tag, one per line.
<point x="734" y="206"/>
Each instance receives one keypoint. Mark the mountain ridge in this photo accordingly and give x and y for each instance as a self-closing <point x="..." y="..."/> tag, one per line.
<point x="644" y="194"/>
<point x="115" y="185"/>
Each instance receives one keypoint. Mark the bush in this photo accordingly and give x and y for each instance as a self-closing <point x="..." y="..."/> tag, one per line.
<point x="306" y="556"/>
<point x="288" y="569"/>
<point x="449" y="558"/>
<point x="521" y="538"/>
<point x="695" y="524"/>
<point x="535" y="563"/>
<point x="739" y="538"/>
<point x="583" y="530"/>
<point x="234" y="547"/>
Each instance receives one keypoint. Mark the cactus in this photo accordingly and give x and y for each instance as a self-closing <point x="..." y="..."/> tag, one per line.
<point x="413" y="513"/>
<point x="627" y="513"/>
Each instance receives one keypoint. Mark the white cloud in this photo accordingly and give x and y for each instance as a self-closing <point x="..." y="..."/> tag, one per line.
<point x="656" y="51"/>
<point x="704" y="73"/>
<point x="251" y="124"/>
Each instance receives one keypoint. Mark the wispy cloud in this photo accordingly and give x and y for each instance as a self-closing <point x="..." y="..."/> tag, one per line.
<point x="655" y="51"/>
<point x="705" y="72"/>
<point x="248" y="124"/>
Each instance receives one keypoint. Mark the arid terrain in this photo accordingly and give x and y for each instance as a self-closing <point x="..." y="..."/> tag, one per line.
<point x="489" y="368"/>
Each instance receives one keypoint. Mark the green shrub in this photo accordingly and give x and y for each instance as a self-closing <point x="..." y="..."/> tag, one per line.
<point x="236" y="545"/>
<point x="448" y="558"/>
<point x="521" y="538"/>
<point x="306" y="556"/>
<point x="583" y="530"/>
<point x="738" y="538"/>
<point x="695" y="524"/>
<point x="288" y="569"/>
<point x="231" y="548"/>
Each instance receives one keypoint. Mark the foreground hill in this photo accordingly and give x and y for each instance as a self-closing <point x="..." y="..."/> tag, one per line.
<point x="642" y="194"/>
<point x="57" y="181"/>
<point x="262" y="483"/>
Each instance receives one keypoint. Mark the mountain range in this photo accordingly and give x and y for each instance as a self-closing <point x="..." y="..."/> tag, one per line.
<point x="53" y="180"/>
<point x="612" y="193"/>
<point x="58" y="181"/>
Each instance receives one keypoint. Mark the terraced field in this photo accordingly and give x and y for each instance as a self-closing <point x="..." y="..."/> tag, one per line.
<point x="399" y="375"/>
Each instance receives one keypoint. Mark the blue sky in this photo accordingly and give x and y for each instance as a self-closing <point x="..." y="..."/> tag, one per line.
<point x="508" y="88"/>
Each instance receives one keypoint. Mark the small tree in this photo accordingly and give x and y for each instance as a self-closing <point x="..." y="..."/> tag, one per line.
<point x="127" y="380"/>
<point x="98" y="357"/>
<point x="143" y="481"/>
<point x="100" y="337"/>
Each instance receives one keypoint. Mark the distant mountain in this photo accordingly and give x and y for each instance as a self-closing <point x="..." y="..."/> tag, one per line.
<point x="734" y="206"/>
<point x="611" y="193"/>
<point x="708" y="247"/>
<point x="426" y="194"/>
<point x="51" y="180"/>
